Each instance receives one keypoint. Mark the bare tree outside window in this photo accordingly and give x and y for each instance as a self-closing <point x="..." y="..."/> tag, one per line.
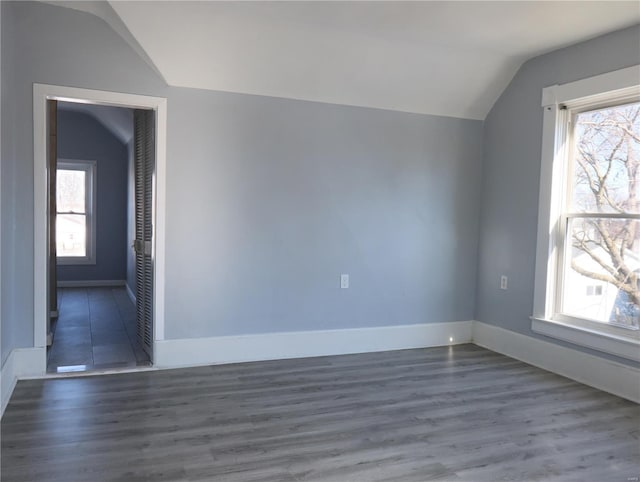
<point x="70" y="191"/>
<point x="603" y="216"/>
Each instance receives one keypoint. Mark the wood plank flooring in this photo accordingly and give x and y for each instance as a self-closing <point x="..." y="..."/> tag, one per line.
<point x="458" y="413"/>
<point x="96" y="330"/>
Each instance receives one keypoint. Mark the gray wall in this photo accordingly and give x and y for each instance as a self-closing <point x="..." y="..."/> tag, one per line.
<point x="9" y="248"/>
<point x="81" y="136"/>
<point x="268" y="200"/>
<point x="511" y="173"/>
<point x="46" y="44"/>
<point x="1" y="81"/>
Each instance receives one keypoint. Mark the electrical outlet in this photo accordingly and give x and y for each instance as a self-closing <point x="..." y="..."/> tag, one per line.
<point x="503" y="282"/>
<point x="344" y="281"/>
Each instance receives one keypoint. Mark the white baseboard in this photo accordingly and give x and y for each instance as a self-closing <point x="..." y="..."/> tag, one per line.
<point x="600" y="373"/>
<point x="91" y="283"/>
<point x="302" y="344"/>
<point x="21" y="363"/>
<point x="609" y="376"/>
<point x="130" y="292"/>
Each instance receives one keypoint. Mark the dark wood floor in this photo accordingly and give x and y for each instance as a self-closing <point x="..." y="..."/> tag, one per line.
<point x="96" y="330"/>
<point x="459" y="413"/>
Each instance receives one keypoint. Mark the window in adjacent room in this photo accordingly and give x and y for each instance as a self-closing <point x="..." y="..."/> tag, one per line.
<point x="588" y="266"/>
<point x="75" y="206"/>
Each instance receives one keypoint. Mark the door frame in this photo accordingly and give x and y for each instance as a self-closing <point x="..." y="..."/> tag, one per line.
<point x="42" y="93"/>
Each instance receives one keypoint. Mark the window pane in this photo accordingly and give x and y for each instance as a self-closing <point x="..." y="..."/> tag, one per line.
<point x="606" y="164"/>
<point x="601" y="270"/>
<point x="71" y="235"/>
<point x="70" y="191"/>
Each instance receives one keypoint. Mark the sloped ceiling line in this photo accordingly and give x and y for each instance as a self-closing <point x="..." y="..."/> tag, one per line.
<point x="441" y="58"/>
<point x="117" y="120"/>
<point x="104" y="11"/>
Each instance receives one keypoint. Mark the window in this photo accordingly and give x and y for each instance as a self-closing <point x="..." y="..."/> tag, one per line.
<point x="601" y="235"/>
<point x="75" y="205"/>
<point x="588" y="254"/>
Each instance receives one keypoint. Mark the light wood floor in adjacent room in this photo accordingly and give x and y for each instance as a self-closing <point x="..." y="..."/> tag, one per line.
<point x="459" y="413"/>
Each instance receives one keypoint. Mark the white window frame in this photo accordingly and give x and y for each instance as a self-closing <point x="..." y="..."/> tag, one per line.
<point x="558" y="102"/>
<point x="91" y="175"/>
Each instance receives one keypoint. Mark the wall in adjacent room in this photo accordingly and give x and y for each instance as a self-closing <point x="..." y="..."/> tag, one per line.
<point x="82" y="137"/>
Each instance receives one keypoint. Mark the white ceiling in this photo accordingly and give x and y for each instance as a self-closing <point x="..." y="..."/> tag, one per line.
<point x="443" y="58"/>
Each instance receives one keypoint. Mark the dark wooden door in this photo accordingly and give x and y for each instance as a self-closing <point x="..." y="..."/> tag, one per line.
<point x="52" y="165"/>
<point x="144" y="161"/>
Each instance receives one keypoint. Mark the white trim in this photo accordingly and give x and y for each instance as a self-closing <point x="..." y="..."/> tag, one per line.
<point x="90" y="169"/>
<point x="21" y="363"/>
<point x="130" y="292"/>
<point x="160" y="188"/>
<point x="549" y="208"/>
<point x="92" y="373"/>
<point x="90" y="283"/>
<point x="609" y="376"/>
<point x="303" y="344"/>
<point x="622" y="83"/>
<point x="41" y="93"/>
<point x="597" y="340"/>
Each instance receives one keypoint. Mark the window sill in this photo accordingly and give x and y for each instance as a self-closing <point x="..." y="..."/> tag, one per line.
<point x="619" y="345"/>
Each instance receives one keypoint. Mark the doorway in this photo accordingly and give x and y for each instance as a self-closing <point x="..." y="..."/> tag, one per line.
<point x="96" y="200"/>
<point x="148" y="312"/>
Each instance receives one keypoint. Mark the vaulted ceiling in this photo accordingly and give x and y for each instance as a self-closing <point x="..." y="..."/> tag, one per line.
<point x="443" y="58"/>
<point x="117" y="120"/>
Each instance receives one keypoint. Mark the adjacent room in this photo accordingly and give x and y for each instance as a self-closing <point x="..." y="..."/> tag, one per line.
<point x="340" y="241"/>
<point x="93" y="279"/>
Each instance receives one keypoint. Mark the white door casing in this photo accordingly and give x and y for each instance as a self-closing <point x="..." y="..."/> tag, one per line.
<point x="42" y="93"/>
